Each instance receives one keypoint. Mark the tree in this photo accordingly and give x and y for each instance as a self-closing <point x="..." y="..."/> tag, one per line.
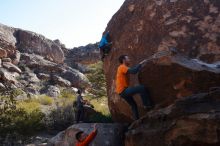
<point x="97" y="78"/>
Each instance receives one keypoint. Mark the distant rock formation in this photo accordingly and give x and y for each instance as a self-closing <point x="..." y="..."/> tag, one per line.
<point x="24" y="52"/>
<point x="80" y="57"/>
<point x="30" y="42"/>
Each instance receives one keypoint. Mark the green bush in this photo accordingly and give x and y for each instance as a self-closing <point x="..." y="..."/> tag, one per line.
<point x="100" y="118"/>
<point x="28" y="106"/>
<point x="17" y="92"/>
<point x="22" y="118"/>
<point x="97" y="78"/>
<point x="62" y="117"/>
<point x="98" y="93"/>
<point x="67" y="94"/>
<point x="45" y="100"/>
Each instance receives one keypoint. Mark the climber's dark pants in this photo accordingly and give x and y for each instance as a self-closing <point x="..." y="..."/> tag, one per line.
<point x="128" y="93"/>
<point x="79" y="114"/>
<point x="105" y="50"/>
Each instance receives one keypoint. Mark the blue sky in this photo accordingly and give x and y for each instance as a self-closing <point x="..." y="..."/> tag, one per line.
<point x="74" y="22"/>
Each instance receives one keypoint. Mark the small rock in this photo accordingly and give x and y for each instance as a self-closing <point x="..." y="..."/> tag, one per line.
<point x="8" y="76"/>
<point x="16" y="57"/>
<point x="3" y="53"/>
<point x="60" y="81"/>
<point x="32" y="90"/>
<point x="131" y="8"/>
<point x="32" y="78"/>
<point x="43" y="76"/>
<point x="2" y="86"/>
<point x="6" y="60"/>
<point x="11" y="67"/>
<point x="53" y="91"/>
<point x="22" y="97"/>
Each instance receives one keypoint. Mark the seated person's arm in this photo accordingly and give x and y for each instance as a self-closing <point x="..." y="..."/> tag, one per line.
<point x="135" y="69"/>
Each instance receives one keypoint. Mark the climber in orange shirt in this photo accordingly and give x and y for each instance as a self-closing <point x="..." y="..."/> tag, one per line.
<point x="126" y="92"/>
<point x="83" y="139"/>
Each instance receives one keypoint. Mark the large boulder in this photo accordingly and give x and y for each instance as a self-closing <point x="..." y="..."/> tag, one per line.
<point x="41" y="65"/>
<point x="108" y="135"/>
<point x="60" y="81"/>
<point x="31" y="77"/>
<point x="76" y="78"/>
<point x="16" y="57"/>
<point x="168" y="78"/>
<point x="8" y="76"/>
<point x="173" y="77"/>
<point x="7" y="38"/>
<point x="191" y="121"/>
<point x="30" y="42"/>
<point x="142" y="28"/>
<point x="11" y="67"/>
<point x="7" y="41"/>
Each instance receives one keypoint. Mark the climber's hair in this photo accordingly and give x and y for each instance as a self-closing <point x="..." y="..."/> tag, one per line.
<point x="78" y="135"/>
<point x="79" y="91"/>
<point x="121" y="58"/>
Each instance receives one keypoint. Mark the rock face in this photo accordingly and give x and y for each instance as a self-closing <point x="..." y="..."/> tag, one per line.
<point x="79" y="57"/>
<point x="8" y="76"/>
<point x="142" y="28"/>
<point x="108" y="135"/>
<point x="85" y="54"/>
<point x="61" y="81"/>
<point x="25" y="56"/>
<point x="40" y="65"/>
<point x="3" y="53"/>
<point x="11" y="67"/>
<point x="29" y="42"/>
<point x="192" y="121"/>
<point x="7" y="39"/>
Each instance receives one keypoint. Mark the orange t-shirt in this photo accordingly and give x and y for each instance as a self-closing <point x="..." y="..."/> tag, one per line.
<point x="88" y="139"/>
<point x="122" y="80"/>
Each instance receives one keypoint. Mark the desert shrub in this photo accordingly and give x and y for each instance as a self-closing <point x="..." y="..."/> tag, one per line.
<point x="17" y="92"/>
<point x="22" y="118"/>
<point x="65" y="93"/>
<point x="103" y="114"/>
<point x="62" y="116"/>
<point x="97" y="78"/>
<point x="44" y="100"/>
<point x="98" y="93"/>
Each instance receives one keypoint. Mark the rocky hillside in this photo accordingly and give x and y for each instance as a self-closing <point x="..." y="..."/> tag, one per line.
<point x="32" y="62"/>
<point x="80" y="57"/>
<point x="38" y="78"/>
<point x="181" y="84"/>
